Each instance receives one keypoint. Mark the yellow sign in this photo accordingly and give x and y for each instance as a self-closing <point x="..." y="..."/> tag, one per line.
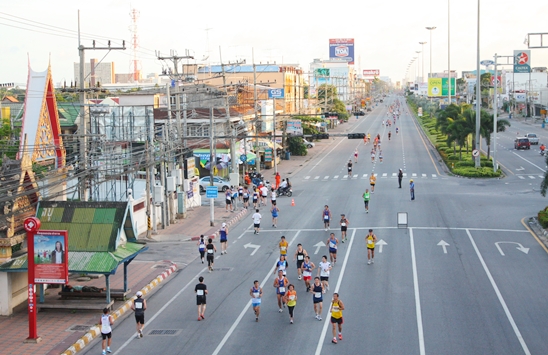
<point x="434" y="86"/>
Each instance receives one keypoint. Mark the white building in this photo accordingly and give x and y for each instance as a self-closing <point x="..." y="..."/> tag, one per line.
<point x="96" y="72"/>
<point x="341" y="75"/>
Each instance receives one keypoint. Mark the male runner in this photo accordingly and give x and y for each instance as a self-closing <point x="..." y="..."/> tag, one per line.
<point x="349" y="167"/>
<point x="372" y="182"/>
<point x="280" y="283"/>
<point x="332" y="247"/>
<point x="344" y="226"/>
<point x="337" y="307"/>
<point x="256" y="221"/>
<point x="282" y="265"/>
<point x="211" y="249"/>
<point x="201" y="292"/>
<point x="245" y="196"/>
<point x="317" y="291"/>
<point x="106" y="323"/>
<point x="370" y="241"/>
<point x="223" y="237"/>
<point x="300" y="254"/>
<point x="307" y="268"/>
<point x="139" y="306"/>
<point x="326" y="216"/>
<point x="366" y="197"/>
<point x="323" y="270"/>
<point x="283" y="244"/>
<point x="256" y="292"/>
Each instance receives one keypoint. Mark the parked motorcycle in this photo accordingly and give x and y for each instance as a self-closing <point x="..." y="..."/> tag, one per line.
<point x="285" y="192"/>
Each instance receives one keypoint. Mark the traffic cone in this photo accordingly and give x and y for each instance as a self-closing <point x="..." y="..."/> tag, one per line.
<point x="292" y="202"/>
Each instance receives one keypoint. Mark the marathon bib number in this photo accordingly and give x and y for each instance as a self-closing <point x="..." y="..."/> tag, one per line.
<point x="335" y="309"/>
<point x="317" y="295"/>
<point x="283" y="248"/>
<point x="210" y="251"/>
<point x="370" y="242"/>
<point x="256" y="294"/>
<point x="325" y="217"/>
<point x="292" y="297"/>
<point x="332" y="245"/>
<point x="200" y="292"/>
<point x="307" y="273"/>
<point x="281" y="289"/>
<point x="139" y="305"/>
<point x="343" y="224"/>
<point x="300" y="257"/>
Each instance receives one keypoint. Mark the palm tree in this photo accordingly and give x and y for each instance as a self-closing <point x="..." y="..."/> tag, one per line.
<point x="458" y="131"/>
<point x="486" y="128"/>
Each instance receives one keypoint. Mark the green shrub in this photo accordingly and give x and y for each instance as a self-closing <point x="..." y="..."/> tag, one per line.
<point x="543" y="218"/>
<point x="453" y="157"/>
<point x="473" y="172"/>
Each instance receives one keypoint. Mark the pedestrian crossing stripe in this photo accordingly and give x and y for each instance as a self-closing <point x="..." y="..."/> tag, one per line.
<point x="532" y="177"/>
<point x="383" y="175"/>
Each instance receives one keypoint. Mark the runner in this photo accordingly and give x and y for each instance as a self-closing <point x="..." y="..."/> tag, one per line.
<point x="245" y="196"/>
<point x="256" y="292"/>
<point x="323" y="270"/>
<point x="332" y="247"/>
<point x="211" y="249"/>
<point x="290" y="299"/>
<point x="264" y="194"/>
<point x="344" y="226"/>
<point x="106" y="321"/>
<point x="228" y="199"/>
<point x="223" y="236"/>
<point x="283" y="245"/>
<point x="306" y="269"/>
<point x="274" y="210"/>
<point x="380" y="156"/>
<point x="356" y="156"/>
<point x="240" y="192"/>
<point x="372" y="182"/>
<point x="349" y="166"/>
<point x="366" y="197"/>
<point x="300" y="254"/>
<point x="370" y="241"/>
<point x="273" y="197"/>
<point x="139" y="306"/>
<point x="282" y="265"/>
<point x="201" y="292"/>
<point x="337" y="307"/>
<point x="326" y="216"/>
<point x="202" y="247"/>
<point x="257" y="221"/>
<point x="369" y="137"/>
<point x="389" y="134"/>
<point x="255" y="198"/>
<point x="373" y="154"/>
<point x="317" y="290"/>
<point x="280" y="283"/>
<point x="397" y="130"/>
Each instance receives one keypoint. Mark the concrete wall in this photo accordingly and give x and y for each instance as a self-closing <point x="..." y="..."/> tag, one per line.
<point x="13" y="291"/>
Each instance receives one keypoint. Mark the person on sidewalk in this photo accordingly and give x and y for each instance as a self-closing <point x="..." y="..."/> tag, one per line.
<point x="223" y="237"/>
<point x="106" y="321"/>
<point x="400" y="177"/>
<point x="366" y="197"/>
<point x="257" y="221"/>
<point x="412" y="189"/>
<point x="201" y="292"/>
<point x="210" y="254"/>
<point x="202" y="247"/>
<point x="139" y="306"/>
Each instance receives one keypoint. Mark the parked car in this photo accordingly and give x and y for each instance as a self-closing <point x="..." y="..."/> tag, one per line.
<point x="533" y="139"/>
<point x="358" y="113"/>
<point x="222" y="184"/>
<point x="308" y="144"/>
<point x="522" y="143"/>
<point x="369" y="109"/>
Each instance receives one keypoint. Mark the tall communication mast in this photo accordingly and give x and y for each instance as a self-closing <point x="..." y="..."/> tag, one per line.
<point x="135" y="63"/>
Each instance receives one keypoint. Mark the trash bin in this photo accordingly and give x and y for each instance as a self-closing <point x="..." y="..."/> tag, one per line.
<point x="287" y="155"/>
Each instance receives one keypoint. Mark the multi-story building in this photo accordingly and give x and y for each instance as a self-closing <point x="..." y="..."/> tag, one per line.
<point x="95" y="72"/>
<point x="339" y="74"/>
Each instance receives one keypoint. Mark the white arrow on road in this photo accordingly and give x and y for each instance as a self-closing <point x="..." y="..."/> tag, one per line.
<point x="520" y="168"/>
<point x="380" y="243"/>
<point x="318" y="246"/>
<point x="249" y="245"/>
<point x="444" y="245"/>
<point x="520" y="247"/>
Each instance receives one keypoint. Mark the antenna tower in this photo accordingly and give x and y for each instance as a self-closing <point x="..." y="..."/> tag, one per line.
<point x="135" y="63"/>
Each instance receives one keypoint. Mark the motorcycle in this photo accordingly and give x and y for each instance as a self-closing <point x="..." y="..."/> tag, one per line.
<point x="542" y="152"/>
<point x="285" y="192"/>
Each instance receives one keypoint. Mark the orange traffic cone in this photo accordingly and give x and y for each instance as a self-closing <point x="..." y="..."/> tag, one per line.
<point x="292" y="202"/>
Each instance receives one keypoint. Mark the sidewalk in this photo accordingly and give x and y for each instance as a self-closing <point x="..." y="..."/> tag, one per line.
<point x="66" y="331"/>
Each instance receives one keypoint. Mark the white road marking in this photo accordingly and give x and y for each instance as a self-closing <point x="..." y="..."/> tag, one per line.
<point x="414" y="175"/>
<point x="307" y="177"/>
<point x="404" y="174"/>
<point x="384" y="175"/>
<point x="326" y="323"/>
<point x="326" y="177"/>
<point x="423" y="175"/>
<point x="434" y="176"/>
<point x="345" y="176"/>
<point x="355" y="176"/>
<point x="394" y="174"/>
<point x="336" y="177"/>
<point x="316" y="178"/>
<point x="364" y="176"/>
<point x="417" y="294"/>
<point x="531" y="177"/>
<point x="521" y="177"/>
<point x="499" y="296"/>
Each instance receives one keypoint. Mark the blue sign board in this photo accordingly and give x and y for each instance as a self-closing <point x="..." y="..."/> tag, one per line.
<point x="342" y="49"/>
<point x="212" y="192"/>
<point x="276" y="93"/>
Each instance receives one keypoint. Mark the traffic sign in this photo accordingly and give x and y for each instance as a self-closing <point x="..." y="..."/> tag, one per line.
<point x="243" y="158"/>
<point x="212" y="192"/>
<point x="475" y="153"/>
<point x="276" y="93"/>
<point x="487" y="62"/>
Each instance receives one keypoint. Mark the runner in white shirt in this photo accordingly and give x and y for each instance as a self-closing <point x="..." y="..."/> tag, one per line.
<point x="256" y="221"/>
<point x="273" y="197"/>
<point x="323" y="270"/>
<point x="264" y="194"/>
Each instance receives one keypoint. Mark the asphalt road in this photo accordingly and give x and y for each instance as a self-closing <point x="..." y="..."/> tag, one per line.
<point x="465" y="276"/>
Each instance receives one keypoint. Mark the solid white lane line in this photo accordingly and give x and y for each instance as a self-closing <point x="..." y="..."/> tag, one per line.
<point x="246" y="308"/>
<point x="499" y="296"/>
<point x="176" y="296"/>
<point x="327" y="322"/>
<point x="417" y="294"/>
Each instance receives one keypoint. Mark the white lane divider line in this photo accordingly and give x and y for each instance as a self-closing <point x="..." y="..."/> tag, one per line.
<point x="417" y="294"/>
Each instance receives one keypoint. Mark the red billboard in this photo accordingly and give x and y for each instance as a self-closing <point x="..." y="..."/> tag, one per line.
<point x="50" y="256"/>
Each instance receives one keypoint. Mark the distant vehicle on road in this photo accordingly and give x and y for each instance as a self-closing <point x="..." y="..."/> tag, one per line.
<point x="533" y="139"/>
<point x="222" y="184"/>
<point x="522" y="143"/>
<point x="308" y="144"/>
<point x="358" y="113"/>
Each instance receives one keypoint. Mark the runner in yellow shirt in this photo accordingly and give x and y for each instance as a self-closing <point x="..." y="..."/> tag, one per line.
<point x="290" y="299"/>
<point x="372" y="182"/>
<point x="283" y="246"/>
<point x="370" y="241"/>
<point x="337" y="307"/>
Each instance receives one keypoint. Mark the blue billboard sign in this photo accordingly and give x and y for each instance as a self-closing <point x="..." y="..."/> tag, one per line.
<point x="276" y="93"/>
<point x="342" y="49"/>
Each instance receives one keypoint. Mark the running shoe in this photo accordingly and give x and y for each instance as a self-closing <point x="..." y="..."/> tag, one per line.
<point x="334" y="341"/>
<point x="291" y="321"/>
<point x="280" y="310"/>
<point x="202" y="316"/>
<point x="140" y="333"/>
<point x="108" y="349"/>
<point x="299" y="277"/>
<point x="256" y="319"/>
<point x="369" y="262"/>
<point x="319" y="318"/>
<point x="340" y="336"/>
<point x="104" y="352"/>
<point x="284" y="305"/>
<point x="199" y="319"/>
<point x="372" y="261"/>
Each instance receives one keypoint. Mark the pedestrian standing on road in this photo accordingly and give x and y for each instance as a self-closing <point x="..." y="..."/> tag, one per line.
<point x="202" y="247"/>
<point x="139" y="306"/>
<point x="277" y="178"/>
<point x="256" y="221"/>
<point x="300" y="254"/>
<point x="290" y="299"/>
<point x="256" y="293"/>
<point x="326" y="216"/>
<point x="332" y="247"/>
<point x="400" y="177"/>
<point x="211" y="249"/>
<point x="337" y="307"/>
<point x="274" y="210"/>
<point x="280" y="283"/>
<point x="106" y="323"/>
<point x="317" y="291"/>
<point x="201" y="292"/>
<point x="344" y="226"/>
<point x="323" y="270"/>
<point x="372" y="182"/>
<point x="370" y="240"/>
<point x="223" y="237"/>
<point x="412" y="189"/>
<point x="366" y="197"/>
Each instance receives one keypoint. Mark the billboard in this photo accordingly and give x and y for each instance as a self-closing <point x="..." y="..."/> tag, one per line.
<point x="50" y="257"/>
<point x="438" y="87"/>
<point x="522" y="61"/>
<point x="294" y="127"/>
<point x="342" y="49"/>
<point x="371" y="72"/>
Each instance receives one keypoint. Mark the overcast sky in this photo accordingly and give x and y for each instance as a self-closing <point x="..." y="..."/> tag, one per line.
<point x="386" y="33"/>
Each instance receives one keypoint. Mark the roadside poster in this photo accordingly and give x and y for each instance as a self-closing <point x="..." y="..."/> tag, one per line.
<point x="50" y="257"/>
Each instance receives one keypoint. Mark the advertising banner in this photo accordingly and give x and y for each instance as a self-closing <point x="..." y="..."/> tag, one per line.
<point x="342" y="49"/>
<point x="294" y="127"/>
<point x="438" y="87"/>
<point x="371" y="72"/>
<point x="522" y="61"/>
<point x="51" y="257"/>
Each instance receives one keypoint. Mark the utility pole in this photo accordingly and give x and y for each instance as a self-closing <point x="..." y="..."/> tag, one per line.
<point x="84" y="121"/>
<point x="258" y="156"/>
<point x="212" y="163"/>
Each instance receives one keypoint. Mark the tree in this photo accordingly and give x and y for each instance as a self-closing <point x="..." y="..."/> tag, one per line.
<point x="486" y="128"/>
<point x="458" y="131"/>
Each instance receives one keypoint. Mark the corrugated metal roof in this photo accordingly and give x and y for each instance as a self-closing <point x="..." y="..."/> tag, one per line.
<point x="87" y="262"/>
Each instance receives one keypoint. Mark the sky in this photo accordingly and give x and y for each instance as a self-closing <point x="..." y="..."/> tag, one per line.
<point x="386" y="33"/>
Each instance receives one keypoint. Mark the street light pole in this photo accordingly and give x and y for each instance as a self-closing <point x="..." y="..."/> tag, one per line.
<point x="418" y="64"/>
<point x="449" y="49"/>
<point x="430" y="29"/>
<point x="478" y="91"/>
<point x="422" y="70"/>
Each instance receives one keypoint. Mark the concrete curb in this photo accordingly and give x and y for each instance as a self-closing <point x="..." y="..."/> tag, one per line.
<point x="212" y="233"/>
<point x="95" y="331"/>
